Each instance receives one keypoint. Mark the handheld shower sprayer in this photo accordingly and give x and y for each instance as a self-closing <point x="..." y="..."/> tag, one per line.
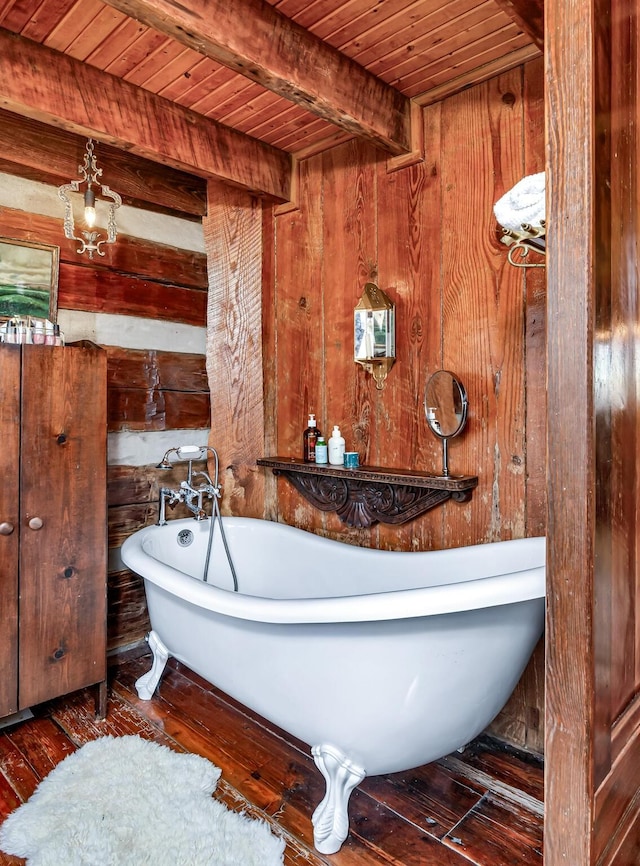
<point x="191" y="453"/>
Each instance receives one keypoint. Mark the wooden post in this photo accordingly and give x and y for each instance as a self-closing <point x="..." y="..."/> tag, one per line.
<point x="233" y="242"/>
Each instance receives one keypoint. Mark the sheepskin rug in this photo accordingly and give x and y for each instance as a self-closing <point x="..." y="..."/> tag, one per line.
<point x="125" y="800"/>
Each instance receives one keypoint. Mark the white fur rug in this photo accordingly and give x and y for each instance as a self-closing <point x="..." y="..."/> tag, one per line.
<point x="125" y="801"/>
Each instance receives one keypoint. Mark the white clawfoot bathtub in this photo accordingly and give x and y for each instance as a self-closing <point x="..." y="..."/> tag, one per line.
<point x="381" y="661"/>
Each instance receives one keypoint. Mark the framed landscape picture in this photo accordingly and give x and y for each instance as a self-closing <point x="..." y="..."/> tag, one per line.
<point x="28" y="279"/>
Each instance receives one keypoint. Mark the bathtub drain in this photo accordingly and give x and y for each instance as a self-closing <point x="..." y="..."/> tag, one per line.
<point x="185" y="538"/>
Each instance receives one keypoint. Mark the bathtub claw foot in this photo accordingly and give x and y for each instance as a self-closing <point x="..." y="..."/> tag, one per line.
<point x="331" y="817"/>
<point x="147" y="683"/>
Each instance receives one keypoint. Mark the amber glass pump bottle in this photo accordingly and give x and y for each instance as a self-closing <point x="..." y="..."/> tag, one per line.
<point x="309" y="439"/>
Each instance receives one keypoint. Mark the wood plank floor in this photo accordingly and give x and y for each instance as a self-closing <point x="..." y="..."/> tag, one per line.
<point x="482" y="806"/>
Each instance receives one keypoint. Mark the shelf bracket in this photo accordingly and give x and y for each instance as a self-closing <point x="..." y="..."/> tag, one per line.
<point x="363" y="497"/>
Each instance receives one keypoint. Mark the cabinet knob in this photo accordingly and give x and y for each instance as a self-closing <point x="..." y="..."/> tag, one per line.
<point x="6" y="528"/>
<point x="35" y="523"/>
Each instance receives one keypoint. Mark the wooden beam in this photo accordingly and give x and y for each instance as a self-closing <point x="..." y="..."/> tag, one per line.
<point x="84" y="100"/>
<point x="50" y="155"/>
<point x="234" y="243"/>
<point x="256" y="40"/>
<point x="528" y="14"/>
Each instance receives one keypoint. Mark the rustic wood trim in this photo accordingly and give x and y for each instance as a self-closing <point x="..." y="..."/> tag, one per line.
<point x="84" y="100"/>
<point x="293" y="203"/>
<point x="51" y="155"/>
<point x="571" y="477"/>
<point x="322" y="144"/>
<point x="617" y="804"/>
<point x="10" y="414"/>
<point x="416" y="153"/>
<point x="477" y="76"/>
<point x="528" y="14"/>
<point x="259" y="42"/>
<point x="233" y="240"/>
<point x="269" y="354"/>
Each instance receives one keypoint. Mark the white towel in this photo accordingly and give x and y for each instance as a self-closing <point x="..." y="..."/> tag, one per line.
<point x="523" y="204"/>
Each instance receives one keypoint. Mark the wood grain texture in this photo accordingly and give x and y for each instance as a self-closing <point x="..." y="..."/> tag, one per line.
<point x="157" y="409"/>
<point x="460" y="305"/>
<point x="529" y="16"/>
<point x="148" y="390"/>
<point x="170" y="371"/>
<point x="482" y="317"/>
<point x="256" y="40"/>
<point x="128" y="255"/>
<point x="402" y="819"/>
<point x="53" y="155"/>
<point x="292" y="67"/>
<point x="63" y="564"/>
<point x="9" y="514"/>
<point x="349" y="186"/>
<point x="127" y="614"/>
<point x="591" y="55"/>
<point x="269" y="355"/>
<point x="100" y="291"/>
<point x="299" y="313"/>
<point x="522" y="719"/>
<point x="82" y="99"/>
<point x="233" y="240"/>
<point x="410" y="203"/>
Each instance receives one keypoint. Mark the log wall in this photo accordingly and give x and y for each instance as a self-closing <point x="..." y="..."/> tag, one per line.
<point x="140" y="298"/>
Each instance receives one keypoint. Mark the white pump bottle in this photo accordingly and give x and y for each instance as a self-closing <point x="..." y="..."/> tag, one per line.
<point x="336" y="447"/>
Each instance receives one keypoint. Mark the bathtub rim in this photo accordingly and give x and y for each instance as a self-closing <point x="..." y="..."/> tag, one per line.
<point x="511" y="588"/>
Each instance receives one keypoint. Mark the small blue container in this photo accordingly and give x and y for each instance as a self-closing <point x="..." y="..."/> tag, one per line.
<point x="351" y="460"/>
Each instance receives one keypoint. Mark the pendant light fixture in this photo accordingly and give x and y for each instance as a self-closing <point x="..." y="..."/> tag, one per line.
<point x="90" y="240"/>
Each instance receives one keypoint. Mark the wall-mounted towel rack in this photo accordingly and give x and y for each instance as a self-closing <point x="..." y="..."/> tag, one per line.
<point x="520" y="243"/>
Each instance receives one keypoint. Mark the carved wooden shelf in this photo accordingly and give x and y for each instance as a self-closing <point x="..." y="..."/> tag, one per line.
<point x="370" y="494"/>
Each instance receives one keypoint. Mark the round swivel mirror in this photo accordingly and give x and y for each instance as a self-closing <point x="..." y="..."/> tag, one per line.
<point x="445" y="405"/>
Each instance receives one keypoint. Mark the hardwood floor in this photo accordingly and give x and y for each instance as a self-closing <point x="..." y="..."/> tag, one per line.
<point x="482" y="806"/>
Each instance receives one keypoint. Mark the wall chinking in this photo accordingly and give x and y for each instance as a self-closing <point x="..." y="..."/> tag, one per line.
<point x="427" y="235"/>
<point x="146" y="303"/>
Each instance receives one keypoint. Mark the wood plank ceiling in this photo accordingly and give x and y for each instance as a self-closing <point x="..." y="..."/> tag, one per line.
<point x="295" y="75"/>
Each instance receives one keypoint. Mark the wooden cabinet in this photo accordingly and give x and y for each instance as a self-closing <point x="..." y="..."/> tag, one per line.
<point x="53" y="522"/>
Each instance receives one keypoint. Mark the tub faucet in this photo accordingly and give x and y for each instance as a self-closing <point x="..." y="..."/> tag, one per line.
<point x="193" y="496"/>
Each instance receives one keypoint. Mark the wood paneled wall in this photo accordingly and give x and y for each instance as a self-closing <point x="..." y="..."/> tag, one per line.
<point x="592" y="797"/>
<point x="147" y="390"/>
<point x="427" y="235"/>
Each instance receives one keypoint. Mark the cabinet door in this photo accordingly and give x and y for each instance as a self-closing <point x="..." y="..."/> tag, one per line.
<point x="63" y="521"/>
<point x="9" y="523"/>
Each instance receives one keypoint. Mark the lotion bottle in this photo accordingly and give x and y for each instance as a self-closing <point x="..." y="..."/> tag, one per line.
<point x="336" y="448"/>
<point x="321" y="450"/>
<point x="309" y="439"/>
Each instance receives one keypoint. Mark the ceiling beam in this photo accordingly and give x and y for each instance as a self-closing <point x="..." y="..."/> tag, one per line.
<point x="47" y="154"/>
<point x="254" y="39"/>
<point x="82" y="99"/>
<point x="528" y="14"/>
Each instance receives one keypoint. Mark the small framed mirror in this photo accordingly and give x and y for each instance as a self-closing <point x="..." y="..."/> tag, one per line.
<point x="374" y="333"/>
<point x="445" y="407"/>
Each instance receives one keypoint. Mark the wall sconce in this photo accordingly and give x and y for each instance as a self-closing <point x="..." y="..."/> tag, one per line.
<point x="374" y="321"/>
<point x="90" y="173"/>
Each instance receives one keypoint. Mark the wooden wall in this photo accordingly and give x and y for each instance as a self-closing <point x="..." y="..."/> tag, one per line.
<point x="143" y="289"/>
<point x="592" y="797"/>
<point x="426" y="234"/>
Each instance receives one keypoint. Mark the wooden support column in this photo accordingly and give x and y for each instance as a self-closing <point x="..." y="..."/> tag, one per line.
<point x="233" y="242"/>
